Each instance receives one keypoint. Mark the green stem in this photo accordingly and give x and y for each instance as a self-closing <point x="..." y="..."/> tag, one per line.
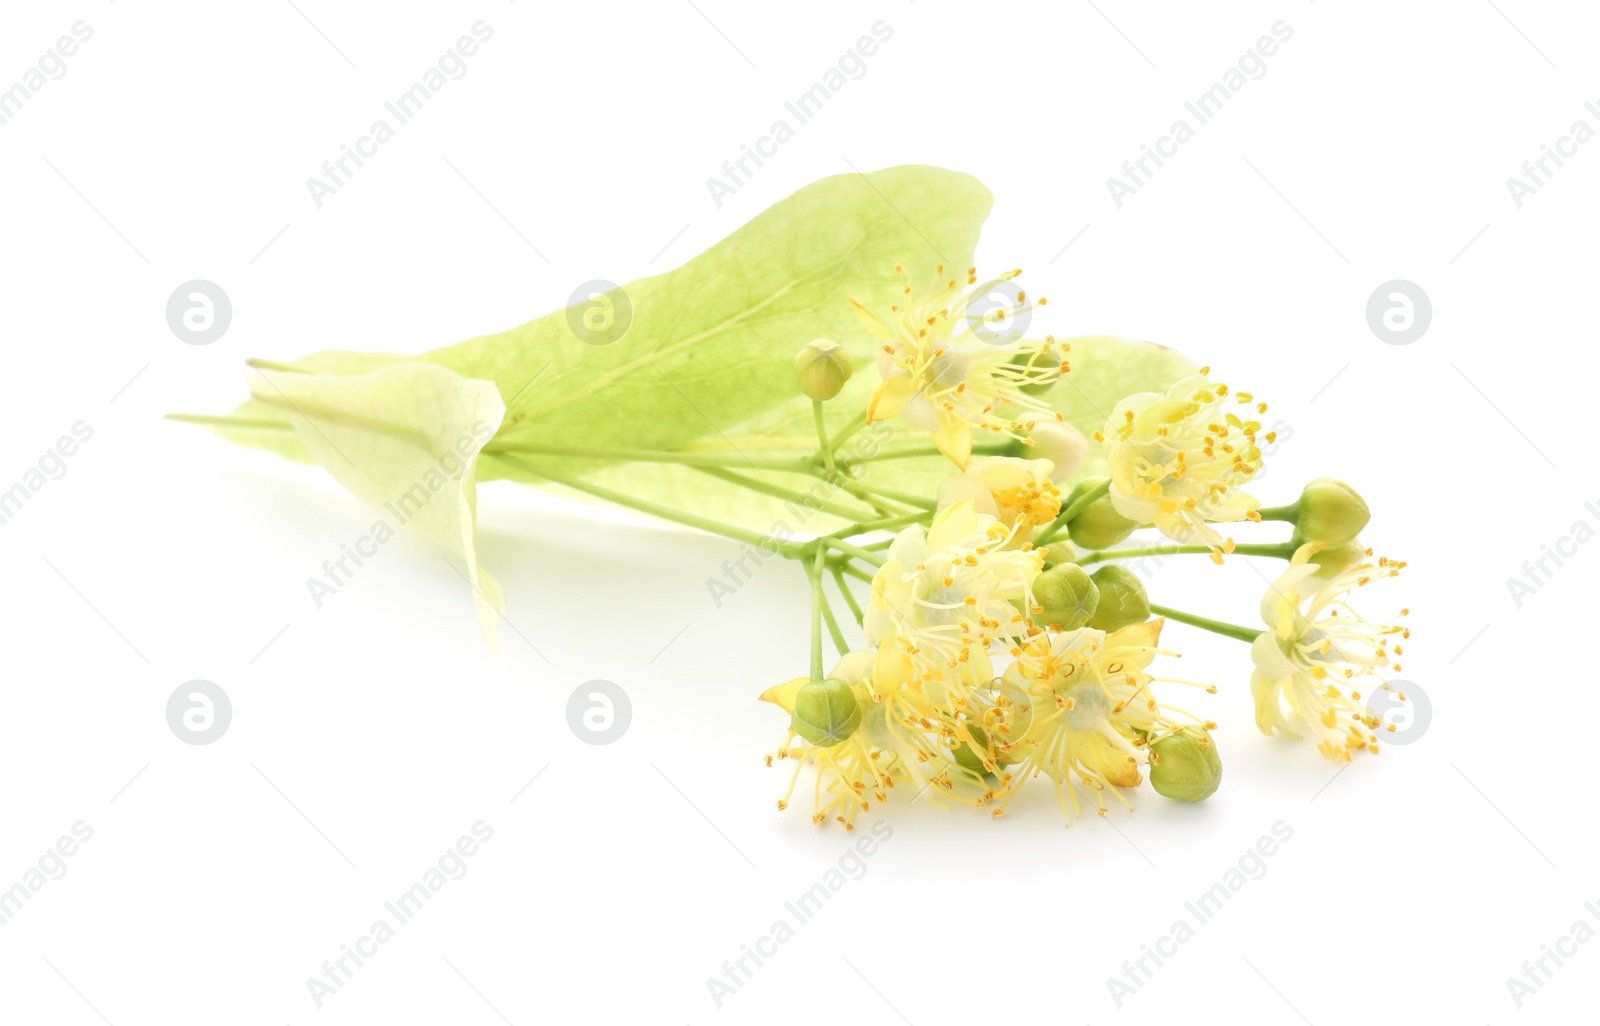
<point x="768" y="542"/>
<point x="1085" y="501"/>
<point x="904" y="498"/>
<point x="1279" y="551"/>
<point x="915" y="451"/>
<point x="693" y="459"/>
<point x="1289" y="514"/>
<point x="880" y="525"/>
<point x="843" y="546"/>
<point x="788" y="495"/>
<point x="822" y="436"/>
<point x="1065" y="516"/>
<point x="881" y="506"/>
<point x="1227" y="630"/>
<point x="849" y="599"/>
<point x="856" y="572"/>
<point x="844" y="433"/>
<point x="839" y="644"/>
<point x="814" y="575"/>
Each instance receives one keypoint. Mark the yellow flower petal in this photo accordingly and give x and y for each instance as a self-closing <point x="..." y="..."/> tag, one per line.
<point x="870" y="321"/>
<point x="954" y="439"/>
<point x="783" y="695"/>
<point x="890" y="399"/>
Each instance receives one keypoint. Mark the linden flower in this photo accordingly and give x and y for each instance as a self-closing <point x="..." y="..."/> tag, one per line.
<point x="950" y="379"/>
<point x="1078" y="703"/>
<point x="1314" y="645"/>
<point x="1177" y="458"/>
<point x="1019" y="494"/>
<point x="850" y="774"/>
<point x="942" y="596"/>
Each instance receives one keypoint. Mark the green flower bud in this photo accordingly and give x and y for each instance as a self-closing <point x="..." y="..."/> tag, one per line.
<point x="826" y="712"/>
<point x="823" y="368"/>
<point x="1122" y="599"/>
<point x="1036" y="388"/>
<point x="1185" y="766"/>
<point x="964" y="755"/>
<point x="1335" y="559"/>
<point x="1331" y="511"/>
<point x="1099" y="526"/>
<point x="1068" y="595"/>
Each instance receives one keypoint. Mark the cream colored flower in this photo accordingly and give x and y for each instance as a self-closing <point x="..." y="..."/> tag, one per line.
<point x="1077" y="704"/>
<point x="948" y="379"/>
<point x="1314" y="651"/>
<point x="1178" y="458"/>
<point x="942" y="596"/>
<point x="1020" y="494"/>
<point x="850" y="775"/>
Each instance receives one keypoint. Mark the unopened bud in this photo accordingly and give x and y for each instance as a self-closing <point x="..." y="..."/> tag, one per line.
<point x="1336" y="559"/>
<point x="965" y="757"/>
<point x="1026" y="362"/>
<point x="1068" y="595"/>
<point x="1099" y="526"/>
<point x="1331" y="511"/>
<point x="1057" y="441"/>
<point x="1123" y="601"/>
<point x="1185" y="766"/>
<point x="826" y="712"/>
<point x="823" y="368"/>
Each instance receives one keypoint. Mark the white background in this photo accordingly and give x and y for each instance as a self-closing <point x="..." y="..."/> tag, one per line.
<point x="369" y="734"/>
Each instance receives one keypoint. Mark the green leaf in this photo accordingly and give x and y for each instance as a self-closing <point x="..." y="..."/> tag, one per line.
<point x="1104" y="370"/>
<point x="710" y="346"/>
<point x="705" y="366"/>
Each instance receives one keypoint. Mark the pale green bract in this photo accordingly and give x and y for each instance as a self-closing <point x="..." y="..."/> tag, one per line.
<point x="706" y="366"/>
<point x="405" y="438"/>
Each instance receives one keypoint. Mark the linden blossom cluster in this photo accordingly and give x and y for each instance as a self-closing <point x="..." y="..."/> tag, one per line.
<point x="993" y="656"/>
<point x="970" y="508"/>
